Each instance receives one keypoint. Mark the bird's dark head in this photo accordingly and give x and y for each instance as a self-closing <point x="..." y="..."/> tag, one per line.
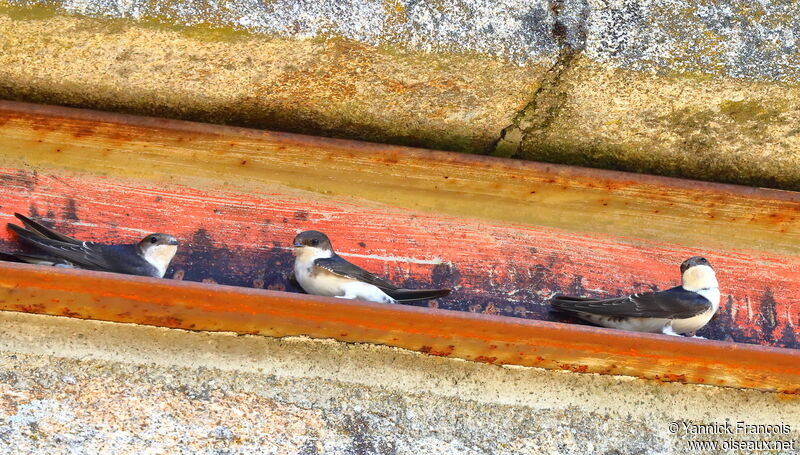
<point x="154" y="240"/>
<point x="158" y="250"/>
<point x="694" y="261"/>
<point x="697" y="273"/>
<point x="313" y="239"/>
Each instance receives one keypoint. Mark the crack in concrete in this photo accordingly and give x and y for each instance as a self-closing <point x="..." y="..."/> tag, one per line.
<point x="549" y="98"/>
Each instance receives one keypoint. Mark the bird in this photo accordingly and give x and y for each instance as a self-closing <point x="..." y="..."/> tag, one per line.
<point x="320" y="271"/>
<point x="675" y="311"/>
<point x="149" y="257"/>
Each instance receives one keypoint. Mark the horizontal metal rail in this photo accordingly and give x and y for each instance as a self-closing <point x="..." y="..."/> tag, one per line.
<point x="477" y="337"/>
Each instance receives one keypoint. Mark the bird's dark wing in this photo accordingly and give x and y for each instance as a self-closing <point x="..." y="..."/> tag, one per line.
<point x="410" y="295"/>
<point x="672" y="303"/>
<point x="88" y="255"/>
<point x="126" y="259"/>
<point x="341" y="267"/>
<point x="44" y="231"/>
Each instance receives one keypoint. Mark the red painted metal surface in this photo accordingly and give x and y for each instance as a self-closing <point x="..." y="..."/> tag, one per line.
<point x="504" y="235"/>
<point x="494" y="268"/>
<point x="477" y="337"/>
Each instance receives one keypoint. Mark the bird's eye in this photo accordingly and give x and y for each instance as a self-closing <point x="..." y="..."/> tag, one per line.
<point x="153" y="239"/>
<point x="314" y="242"/>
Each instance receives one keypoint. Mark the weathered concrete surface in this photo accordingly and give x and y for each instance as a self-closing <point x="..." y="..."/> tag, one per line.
<point x="725" y="38"/>
<point x="697" y="127"/>
<point x="704" y="88"/>
<point x="332" y="86"/>
<point x="72" y="386"/>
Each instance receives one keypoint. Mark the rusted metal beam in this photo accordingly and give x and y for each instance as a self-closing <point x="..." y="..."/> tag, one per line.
<point x="477" y="337"/>
<point x="505" y="235"/>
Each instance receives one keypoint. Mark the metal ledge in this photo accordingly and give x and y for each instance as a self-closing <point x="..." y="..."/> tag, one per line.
<point x="537" y="228"/>
<point x="477" y="337"/>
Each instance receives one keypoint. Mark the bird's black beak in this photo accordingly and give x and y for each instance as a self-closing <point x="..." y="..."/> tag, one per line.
<point x="173" y="241"/>
<point x="298" y="245"/>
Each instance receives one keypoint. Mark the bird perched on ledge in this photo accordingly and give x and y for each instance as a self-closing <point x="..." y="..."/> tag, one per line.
<point x="149" y="257"/>
<point x="682" y="309"/>
<point x="320" y="271"/>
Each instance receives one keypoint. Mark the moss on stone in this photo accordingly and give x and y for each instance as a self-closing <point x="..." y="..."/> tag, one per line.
<point x="213" y="33"/>
<point x="690" y="119"/>
<point x="202" y="31"/>
<point x="37" y="11"/>
<point x="751" y="110"/>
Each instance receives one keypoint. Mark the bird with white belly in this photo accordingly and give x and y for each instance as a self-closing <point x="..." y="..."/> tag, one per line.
<point x="679" y="310"/>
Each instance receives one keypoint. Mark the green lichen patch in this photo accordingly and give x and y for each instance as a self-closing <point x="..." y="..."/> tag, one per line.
<point x="163" y="19"/>
<point x="213" y="33"/>
<point x="751" y="110"/>
<point x="36" y="11"/>
<point x="690" y="119"/>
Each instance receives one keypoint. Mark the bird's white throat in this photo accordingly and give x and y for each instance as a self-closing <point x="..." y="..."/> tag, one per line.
<point x="160" y="256"/>
<point x="702" y="280"/>
<point x="305" y="254"/>
<point x="304" y="265"/>
<point x="699" y="277"/>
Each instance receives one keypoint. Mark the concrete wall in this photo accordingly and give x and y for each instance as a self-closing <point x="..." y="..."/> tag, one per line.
<point x="73" y="386"/>
<point x="703" y="89"/>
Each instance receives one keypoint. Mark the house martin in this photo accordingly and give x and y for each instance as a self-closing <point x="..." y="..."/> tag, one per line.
<point x="320" y="271"/>
<point x="682" y="309"/>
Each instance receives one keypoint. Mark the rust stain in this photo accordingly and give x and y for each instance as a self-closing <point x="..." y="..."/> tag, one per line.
<point x="563" y="188"/>
<point x="574" y="368"/>
<point x="447" y="351"/>
<point x="789" y="394"/>
<point x="485" y="359"/>
<point x="67" y="312"/>
<point x="390" y="158"/>
<point x="83" y="132"/>
<point x="672" y="377"/>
